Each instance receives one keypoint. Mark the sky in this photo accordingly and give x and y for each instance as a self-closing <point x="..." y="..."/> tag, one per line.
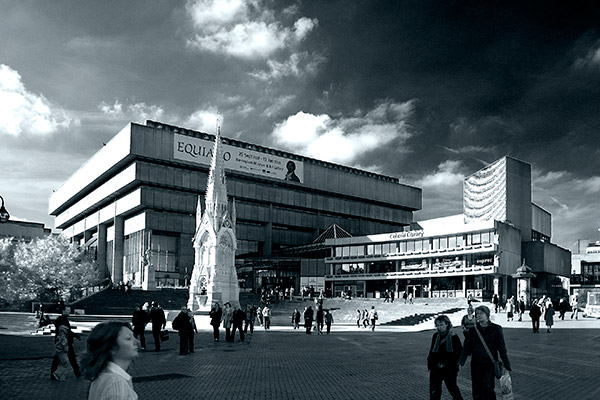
<point x="425" y="91"/>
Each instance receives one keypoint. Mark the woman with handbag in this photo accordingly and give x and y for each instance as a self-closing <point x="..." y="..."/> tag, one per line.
<point x="483" y="343"/>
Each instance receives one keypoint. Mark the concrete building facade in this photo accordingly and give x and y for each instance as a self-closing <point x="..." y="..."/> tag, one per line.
<point x="135" y="201"/>
<point x="470" y="254"/>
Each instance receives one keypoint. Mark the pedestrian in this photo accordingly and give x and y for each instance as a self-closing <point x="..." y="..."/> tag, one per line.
<point x="549" y="317"/>
<point x="410" y="298"/>
<point x="468" y="320"/>
<point x="535" y="313"/>
<point x="358" y="318"/>
<point x="405" y="296"/>
<point x="291" y="293"/>
<point x="139" y="321"/>
<point x="386" y="296"/>
<point x="392" y="295"/>
<point x="237" y="322"/>
<point x="543" y="304"/>
<point x="328" y="320"/>
<point x="574" y="308"/>
<point x="483" y="343"/>
<point x="562" y="308"/>
<point x="320" y="320"/>
<point x="365" y="315"/>
<point x="373" y="317"/>
<point x="521" y="306"/>
<point x="111" y="347"/>
<point x="63" y="319"/>
<point x="61" y="351"/>
<point x="308" y="319"/>
<point x="216" y="315"/>
<point x="510" y="309"/>
<point x="157" y="317"/>
<point x="183" y="325"/>
<point x="266" y="313"/>
<point x="194" y="330"/>
<point x="296" y="318"/>
<point x="495" y="301"/>
<point x="227" y="321"/>
<point x="250" y="315"/>
<point x="442" y="361"/>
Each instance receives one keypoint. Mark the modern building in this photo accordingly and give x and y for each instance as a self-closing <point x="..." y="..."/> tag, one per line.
<point x="134" y="201"/>
<point x="23" y="230"/>
<point x="473" y="253"/>
<point x="585" y="269"/>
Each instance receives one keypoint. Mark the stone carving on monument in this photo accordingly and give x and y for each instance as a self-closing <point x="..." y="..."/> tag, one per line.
<point x="214" y="278"/>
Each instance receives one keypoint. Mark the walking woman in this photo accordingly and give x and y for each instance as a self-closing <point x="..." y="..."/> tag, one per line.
<point x="549" y="317"/>
<point x="484" y="336"/>
<point x="111" y="347"/>
<point x="442" y="361"/>
<point x="215" y="314"/>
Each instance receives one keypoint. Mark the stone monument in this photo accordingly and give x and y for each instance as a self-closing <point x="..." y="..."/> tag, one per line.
<point x="214" y="278"/>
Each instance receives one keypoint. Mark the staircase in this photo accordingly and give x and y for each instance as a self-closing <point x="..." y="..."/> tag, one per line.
<point x="115" y="302"/>
<point x="15" y="322"/>
<point x="416" y="319"/>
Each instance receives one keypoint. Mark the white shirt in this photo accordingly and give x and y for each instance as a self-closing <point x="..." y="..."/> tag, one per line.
<point x="112" y="384"/>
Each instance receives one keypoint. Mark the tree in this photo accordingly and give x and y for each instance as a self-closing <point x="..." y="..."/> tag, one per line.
<point x="45" y="268"/>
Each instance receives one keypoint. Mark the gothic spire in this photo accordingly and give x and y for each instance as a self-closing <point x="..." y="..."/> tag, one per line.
<point x="216" y="188"/>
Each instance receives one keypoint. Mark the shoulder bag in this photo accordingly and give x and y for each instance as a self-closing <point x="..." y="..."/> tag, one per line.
<point x="498" y="366"/>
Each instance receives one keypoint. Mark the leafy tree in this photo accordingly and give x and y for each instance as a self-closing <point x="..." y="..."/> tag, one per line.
<point x="46" y="268"/>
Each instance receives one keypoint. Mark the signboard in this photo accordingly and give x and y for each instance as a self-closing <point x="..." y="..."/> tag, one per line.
<point x="407" y="235"/>
<point x="199" y="151"/>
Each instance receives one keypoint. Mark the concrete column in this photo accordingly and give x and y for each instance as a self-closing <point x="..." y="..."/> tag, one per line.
<point x="118" y="247"/>
<point x="464" y="287"/>
<point x="87" y="235"/>
<point x="430" y="287"/>
<point x="101" y="254"/>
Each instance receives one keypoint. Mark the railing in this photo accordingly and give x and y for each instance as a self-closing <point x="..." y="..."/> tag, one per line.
<point x="88" y="291"/>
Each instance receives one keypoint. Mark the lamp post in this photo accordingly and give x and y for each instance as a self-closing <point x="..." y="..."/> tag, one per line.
<point x="4" y="215"/>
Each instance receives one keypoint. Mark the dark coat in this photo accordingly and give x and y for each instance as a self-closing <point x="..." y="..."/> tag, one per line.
<point x="238" y="317"/>
<point x="182" y="322"/>
<point x="308" y="314"/>
<point x="535" y="313"/>
<point x="320" y="315"/>
<point x="494" y="338"/>
<point x="139" y="319"/>
<point x="215" y="316"/>
<point x="157" y="316"/>
<point x="443" y="357"/>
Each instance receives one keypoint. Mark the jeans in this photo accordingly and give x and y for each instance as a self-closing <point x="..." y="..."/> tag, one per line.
<point x="447" y="375"/>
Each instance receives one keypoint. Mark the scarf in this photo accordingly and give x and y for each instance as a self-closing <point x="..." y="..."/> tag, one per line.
<point x="439" y="341"/>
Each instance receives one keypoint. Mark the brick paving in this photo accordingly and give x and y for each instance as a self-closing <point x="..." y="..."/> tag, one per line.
<point x="287" y="364"/>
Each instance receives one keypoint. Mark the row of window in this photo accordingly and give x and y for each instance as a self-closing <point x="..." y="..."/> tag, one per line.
<point x="436" y="243"/>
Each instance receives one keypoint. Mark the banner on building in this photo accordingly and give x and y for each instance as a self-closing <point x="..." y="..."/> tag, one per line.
<point x="199" y="151"/>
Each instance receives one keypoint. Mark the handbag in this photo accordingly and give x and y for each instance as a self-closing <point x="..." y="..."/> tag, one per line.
<point x="498" y="365"/>
<point x="164" y="335"/>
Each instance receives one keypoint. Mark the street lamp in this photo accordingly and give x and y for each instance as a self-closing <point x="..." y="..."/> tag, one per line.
<point x="4" y="215"/>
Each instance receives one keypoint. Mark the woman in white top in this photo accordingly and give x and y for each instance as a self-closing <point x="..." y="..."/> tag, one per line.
<point x="111" y="347"/>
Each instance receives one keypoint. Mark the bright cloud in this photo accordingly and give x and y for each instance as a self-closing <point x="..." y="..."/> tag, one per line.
<point x="590" y="60"/>
<point x="23" y="112"/>
<point x="343" y="139"/>
<point x="243" y="28"/>
<point x="296" y="65"/>
<point x="447" y="174"/>
<point x="203" y="120"/>
<point x="134" y="112"/>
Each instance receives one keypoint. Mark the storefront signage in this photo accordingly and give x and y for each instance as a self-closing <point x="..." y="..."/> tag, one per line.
<point x="199" y="151"/>
<point x="406" y="235"/>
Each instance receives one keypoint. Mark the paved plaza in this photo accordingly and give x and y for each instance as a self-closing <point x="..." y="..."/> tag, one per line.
<point x="287" y="364"/>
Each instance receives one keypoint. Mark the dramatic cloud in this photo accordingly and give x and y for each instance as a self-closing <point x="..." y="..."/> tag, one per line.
<point x="243" y="28"/>
<point x="591" y="59"/>
<point x="23" y="112"/>
<point x="447" y="174"/>
<point x="298" y="64"/>
<point x="138" y="112"/>
<point x="343" y="139"/>
<point x="203" y="120"/>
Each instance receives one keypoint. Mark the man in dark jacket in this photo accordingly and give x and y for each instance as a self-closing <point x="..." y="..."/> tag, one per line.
<point x="63" y="319"/>
<point x="308" y="319"/>
<point x="320" y="320"/>
<point x="157" y="317"/>
<point x="237" y="323"/>
<point x="183" y="325"/>
<point x="482" y="366"/>
<point x="535" y="313"/>
<point x="139" y="321"/>
<point x="215" y="314"/>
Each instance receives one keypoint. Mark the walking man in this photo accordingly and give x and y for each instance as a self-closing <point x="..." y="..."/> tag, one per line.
<point x="373" y="317"/>
<point x="157" y="317"/>
<point x="63" y="319"/>
<point x="574" y="307"/>
<point x="328" y="320"/>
